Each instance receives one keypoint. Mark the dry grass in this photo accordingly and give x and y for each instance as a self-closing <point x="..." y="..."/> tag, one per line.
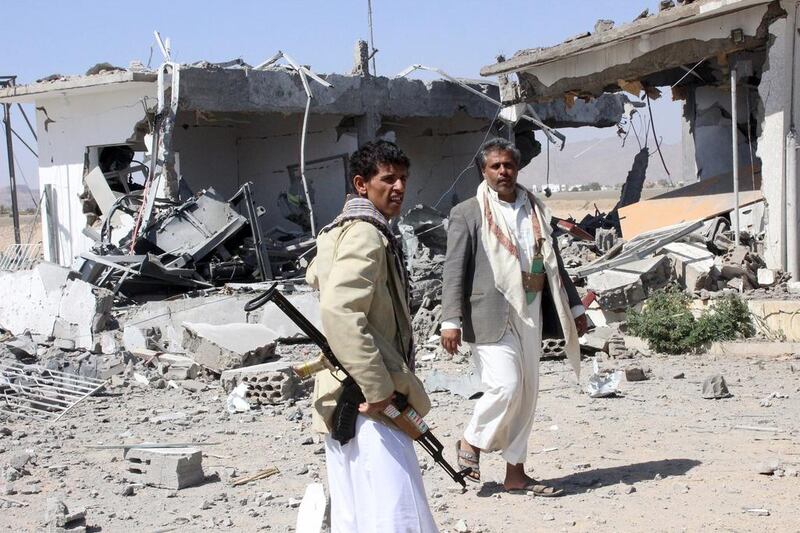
<point x="30" y="228"/>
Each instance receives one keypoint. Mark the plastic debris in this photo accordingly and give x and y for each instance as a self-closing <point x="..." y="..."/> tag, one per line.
<point x="603" y="384"/>
<point x="237" y="400"/>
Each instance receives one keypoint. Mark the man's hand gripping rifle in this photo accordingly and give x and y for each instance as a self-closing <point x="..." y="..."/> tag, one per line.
<point x="403" y="415"/>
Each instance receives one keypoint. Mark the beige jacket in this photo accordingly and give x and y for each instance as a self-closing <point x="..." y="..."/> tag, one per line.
<point x="365" y="317"/>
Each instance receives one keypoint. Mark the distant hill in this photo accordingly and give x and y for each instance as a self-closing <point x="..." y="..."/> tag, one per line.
<point x="603" y="161"/>
<point x="23" y="197"/>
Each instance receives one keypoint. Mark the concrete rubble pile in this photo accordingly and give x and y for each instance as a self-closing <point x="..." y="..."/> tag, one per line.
<point x="703" y="262"/>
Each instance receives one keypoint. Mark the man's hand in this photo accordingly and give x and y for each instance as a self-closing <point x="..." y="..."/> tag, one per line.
<point x="375" y="408"/>
<point x="582" y="323"/>
<point x="451" y="340"/>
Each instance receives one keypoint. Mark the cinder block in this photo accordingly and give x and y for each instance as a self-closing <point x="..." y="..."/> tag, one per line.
<point x="169" y="468"/>
<point x="267" y="384"/>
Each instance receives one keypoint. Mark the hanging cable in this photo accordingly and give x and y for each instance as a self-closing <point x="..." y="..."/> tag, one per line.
<point x="19" y="167"/>
<point x="472" y="160"/>
<point x="655" y="137"/>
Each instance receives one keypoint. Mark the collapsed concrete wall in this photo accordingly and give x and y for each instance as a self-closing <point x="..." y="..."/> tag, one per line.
<point x="44" y="302"/>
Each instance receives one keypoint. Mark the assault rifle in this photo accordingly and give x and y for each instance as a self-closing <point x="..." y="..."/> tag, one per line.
<point x="402" y="414"/>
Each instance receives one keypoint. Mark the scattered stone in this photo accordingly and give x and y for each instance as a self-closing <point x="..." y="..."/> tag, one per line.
<point x="461" y="527"/>
<point x="715" y="387"/>
<point x="58" y="518"/>
<point x="635" y="373"/>
<point x="679" y="375"/>
<point x="769" y="467"/>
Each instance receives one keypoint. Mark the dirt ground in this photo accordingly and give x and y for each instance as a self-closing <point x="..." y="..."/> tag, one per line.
<point x="578" y="204"/>
<point x="29" y="227"/>
<point x="657" y="458"/>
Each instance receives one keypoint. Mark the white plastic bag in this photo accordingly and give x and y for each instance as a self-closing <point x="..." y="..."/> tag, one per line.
<point x="237" y="400"/>
<point x="603" y="384"/>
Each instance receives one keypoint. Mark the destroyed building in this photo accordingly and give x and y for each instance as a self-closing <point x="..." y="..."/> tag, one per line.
<point x="225" y="125"/>
<point x="705" y="53"/>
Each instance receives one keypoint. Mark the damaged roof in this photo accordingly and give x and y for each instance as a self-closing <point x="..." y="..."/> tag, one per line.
<point x="93" y="83"/>
<point x="646" y="45"/>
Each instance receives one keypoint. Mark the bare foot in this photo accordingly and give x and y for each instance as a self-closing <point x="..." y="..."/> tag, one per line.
<point x="516" y="478"/>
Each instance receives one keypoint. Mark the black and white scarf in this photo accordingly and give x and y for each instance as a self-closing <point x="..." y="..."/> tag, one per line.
<point x="357" y="208"/>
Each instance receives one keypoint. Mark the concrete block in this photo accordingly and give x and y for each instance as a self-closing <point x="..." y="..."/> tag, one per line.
<point x="134" y="338"/>
<point x="267" y="384"/>
<point x="692" y="264"/>
<point x="178" y="367"/>
<point x="169" y="468"/>
<point x="766" y="277"/>
<point x="228" y="346"/>
<point x="597" y="339"/>
<point x="553" y="348"/>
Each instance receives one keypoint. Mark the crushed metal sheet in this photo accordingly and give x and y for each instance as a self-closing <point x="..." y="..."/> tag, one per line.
<point x="20" y="257"/>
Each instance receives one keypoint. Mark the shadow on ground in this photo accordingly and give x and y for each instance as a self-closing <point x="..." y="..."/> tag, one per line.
<point x="581" y="482"/>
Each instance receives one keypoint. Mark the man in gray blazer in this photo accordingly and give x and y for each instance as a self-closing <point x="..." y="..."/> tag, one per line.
<point x="505" y="287"/>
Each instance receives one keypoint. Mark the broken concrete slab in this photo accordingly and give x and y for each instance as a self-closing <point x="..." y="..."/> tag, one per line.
<point x="283" y="327"/>
<point x="267" y="384"/>
<point x="29" y="299"/>
<point x="692" y="264"/>
<point x="167" y="316"/>
<point x="626" y="286"/>
<point x="597" y="339"/>
<point x="169" y="468"/>
<point x="767" y="277"/>
<point x="467" y="386"/>
<point x="223" y="347"/>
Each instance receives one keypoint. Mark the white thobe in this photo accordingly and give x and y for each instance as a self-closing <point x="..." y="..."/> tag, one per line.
<point x="375" y="482"/>
<point x="509" y="368"/>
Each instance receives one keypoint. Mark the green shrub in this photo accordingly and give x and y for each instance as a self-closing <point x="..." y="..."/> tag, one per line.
<point x="669" y="326"/>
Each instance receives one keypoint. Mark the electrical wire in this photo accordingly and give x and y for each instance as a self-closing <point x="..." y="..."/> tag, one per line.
<point x="655" y="137"/>
<point x="472" y="160"/>
<point x="19" y="167"/>
<point x="28" y="122"/>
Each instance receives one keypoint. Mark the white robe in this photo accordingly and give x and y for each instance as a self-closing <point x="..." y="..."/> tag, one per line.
<point x="509" y="369"/>
<point x="375" y="483"/>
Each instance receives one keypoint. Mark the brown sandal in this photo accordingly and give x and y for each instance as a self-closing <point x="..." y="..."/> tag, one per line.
<point x="538" y="490"/>
<point x="467" y="459"/>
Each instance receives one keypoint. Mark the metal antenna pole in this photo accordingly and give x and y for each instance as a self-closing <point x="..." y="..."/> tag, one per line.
<point x="9" y="82"/>
<point x="371" y="38"/>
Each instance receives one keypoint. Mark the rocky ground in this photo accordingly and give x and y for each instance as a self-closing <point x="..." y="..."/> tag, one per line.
<point x="658" y="457"/>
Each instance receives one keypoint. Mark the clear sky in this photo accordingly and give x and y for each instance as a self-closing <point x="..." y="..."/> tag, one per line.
<point x="460" y="36"/>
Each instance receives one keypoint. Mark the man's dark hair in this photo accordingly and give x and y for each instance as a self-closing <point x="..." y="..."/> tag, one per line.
<point x="496" y="145"/>
<point x="364" y="161"/>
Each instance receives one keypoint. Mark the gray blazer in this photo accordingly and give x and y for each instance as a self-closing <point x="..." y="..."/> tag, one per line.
<point x="469" y="292"/>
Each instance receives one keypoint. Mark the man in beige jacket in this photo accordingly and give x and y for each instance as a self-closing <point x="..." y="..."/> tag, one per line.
<point x="374" y="479"/>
